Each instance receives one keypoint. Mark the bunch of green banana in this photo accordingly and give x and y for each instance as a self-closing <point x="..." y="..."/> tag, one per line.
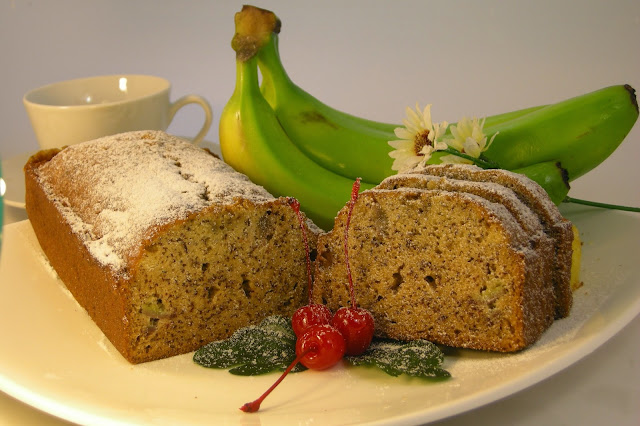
<point x="291" y="143"/>
<point x="253" y="142"/>
<point x="345" y="144"/>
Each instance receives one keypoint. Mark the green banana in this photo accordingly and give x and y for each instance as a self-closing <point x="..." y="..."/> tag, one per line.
<point x="294" y="145"/>
<point x="337" y="141"/>
<point x="343" y="143"/>
<point x="253" y="142"/>
<point x="580" y="132"/>
<point x="279" y="89"/>
<point x="551" y="176"/>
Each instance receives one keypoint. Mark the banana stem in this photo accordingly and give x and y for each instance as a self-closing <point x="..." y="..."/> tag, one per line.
<point x="481" y="162"/>
<point x="253" y="30"/>
<point x="601" y="205"/>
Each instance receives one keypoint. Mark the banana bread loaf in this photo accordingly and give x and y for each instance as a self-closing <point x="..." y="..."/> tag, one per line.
<point x="164" y="245"/>
<point x="460" y="263"/>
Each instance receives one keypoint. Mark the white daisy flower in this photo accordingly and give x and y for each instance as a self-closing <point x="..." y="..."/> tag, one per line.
<point x="468" y="138"/>
<point x="417" y="140"/>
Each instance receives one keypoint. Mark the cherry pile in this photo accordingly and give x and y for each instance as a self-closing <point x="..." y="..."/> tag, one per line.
<point x="322" y="337"/>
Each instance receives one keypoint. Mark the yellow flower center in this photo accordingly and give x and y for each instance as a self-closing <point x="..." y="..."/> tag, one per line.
<point x="420" y="141"/>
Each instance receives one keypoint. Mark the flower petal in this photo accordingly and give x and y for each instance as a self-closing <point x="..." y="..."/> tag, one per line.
<point x="440" y="145"/>
<point x="472" y="148"/>
<point x="426" y="150"/>
<point x="401" y="144"/>
<point x="405" y="164"/>
<point x="426" y="117"/>
<point x="401" y="153"/>
<point x="413" y="117"/>
<point x="403" y="133"/>
<point x="439" y="130"/>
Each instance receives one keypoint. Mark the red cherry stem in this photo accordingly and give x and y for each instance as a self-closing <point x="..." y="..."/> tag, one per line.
<point x="354" y="197"/>
<point x="253" y="406"/>
<point x="295" y="205"/>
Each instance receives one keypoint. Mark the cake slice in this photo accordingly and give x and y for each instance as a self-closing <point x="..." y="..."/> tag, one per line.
<point x="165" y="246"/>
<point x="458" y="263"/>
<point x="528" y="220"/>
<point x="531" y="194"/>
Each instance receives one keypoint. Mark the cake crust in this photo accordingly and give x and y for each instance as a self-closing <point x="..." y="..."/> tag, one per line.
<point x="65" y="251"/>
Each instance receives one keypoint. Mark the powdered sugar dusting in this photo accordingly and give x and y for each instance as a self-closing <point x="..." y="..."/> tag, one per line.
<point x="125" y="186"/>
<point x="501" y="215"/>
<point x="492" y="191"/>
<point x="518" y="182"/>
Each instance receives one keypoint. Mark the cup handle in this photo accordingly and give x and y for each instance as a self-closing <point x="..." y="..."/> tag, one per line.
<point x="194" y="99"/>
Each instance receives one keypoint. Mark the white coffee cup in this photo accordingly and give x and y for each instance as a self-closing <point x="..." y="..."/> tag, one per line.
<point x="73" y="111"/>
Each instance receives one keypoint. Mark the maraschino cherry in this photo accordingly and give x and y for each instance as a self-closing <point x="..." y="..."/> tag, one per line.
<point x="319" y="348"/>
<point x="354" y="323"/>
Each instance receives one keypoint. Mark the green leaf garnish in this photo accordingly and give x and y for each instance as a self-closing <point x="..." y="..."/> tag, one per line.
<point x="269" y="346"/>
<point x="419" y="358"/>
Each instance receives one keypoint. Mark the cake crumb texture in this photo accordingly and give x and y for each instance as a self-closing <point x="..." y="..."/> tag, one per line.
<point x="534" y="197"/>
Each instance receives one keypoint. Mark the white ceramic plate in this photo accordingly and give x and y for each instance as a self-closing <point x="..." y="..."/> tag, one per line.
<point x="54" y="358"/>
